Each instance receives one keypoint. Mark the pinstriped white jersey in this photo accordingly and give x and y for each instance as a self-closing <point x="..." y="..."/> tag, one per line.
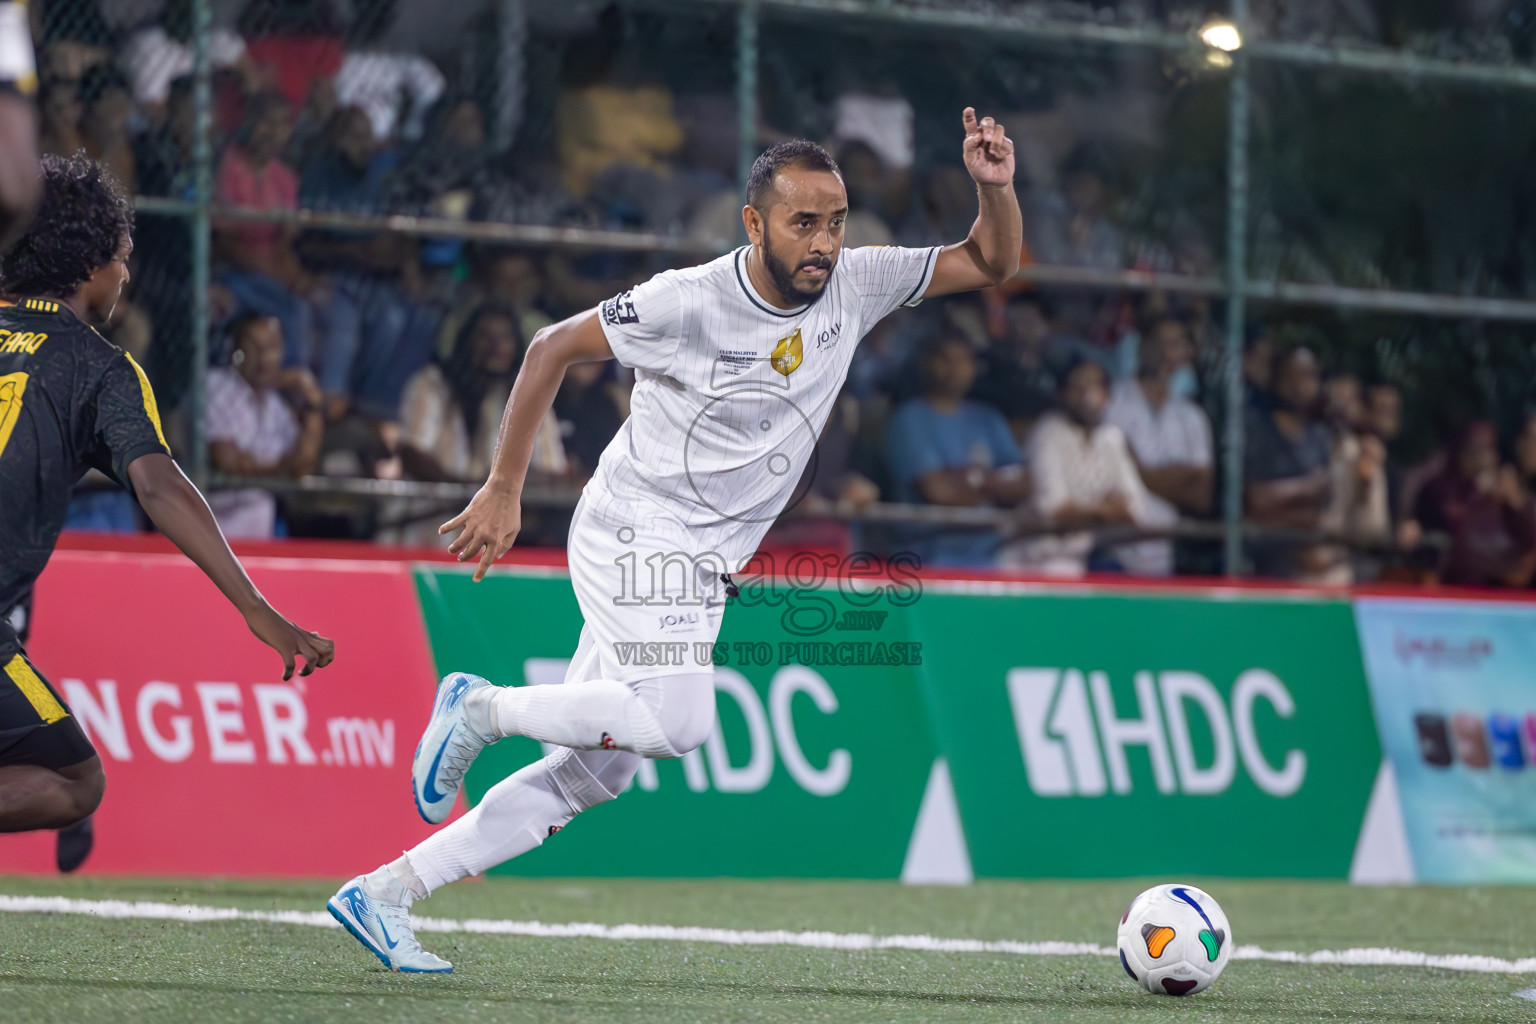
<point x="731" y="392"/>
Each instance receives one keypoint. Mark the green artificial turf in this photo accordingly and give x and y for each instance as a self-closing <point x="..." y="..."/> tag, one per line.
<point x="86" y="969"/>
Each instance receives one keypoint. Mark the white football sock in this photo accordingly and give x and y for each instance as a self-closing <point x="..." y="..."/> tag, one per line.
<point x="663" y="717"/>
<point x="520" y="812"/>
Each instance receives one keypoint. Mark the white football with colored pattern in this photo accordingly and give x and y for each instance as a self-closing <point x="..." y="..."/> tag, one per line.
<point x="1174" y="940"/>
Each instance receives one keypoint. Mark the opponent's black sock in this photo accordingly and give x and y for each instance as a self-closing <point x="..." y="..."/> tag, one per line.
<point x="74" y="845"/>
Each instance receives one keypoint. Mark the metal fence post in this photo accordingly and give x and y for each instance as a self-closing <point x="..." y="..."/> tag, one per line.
<point x="201" y="227"/>
<point x="746" y="97"/>
<point x="1237" y="281"/>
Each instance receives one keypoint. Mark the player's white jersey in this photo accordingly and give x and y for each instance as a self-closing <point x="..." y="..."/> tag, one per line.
<point x="731" y="393"/>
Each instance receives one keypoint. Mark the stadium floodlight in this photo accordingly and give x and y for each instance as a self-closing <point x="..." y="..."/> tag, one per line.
<point x="1221" y="35"/>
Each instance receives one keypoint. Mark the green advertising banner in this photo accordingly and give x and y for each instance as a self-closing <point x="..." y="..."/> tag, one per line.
<point x="1093" y="735"/>
<point x="1003" y="731"/>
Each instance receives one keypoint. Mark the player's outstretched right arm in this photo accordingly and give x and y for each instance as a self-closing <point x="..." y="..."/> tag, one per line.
<point x="179" y="511"/>
<point x="491" y="522"/>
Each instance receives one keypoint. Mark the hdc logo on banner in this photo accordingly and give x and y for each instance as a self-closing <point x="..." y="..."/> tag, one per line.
<point x="1060" y="728"/>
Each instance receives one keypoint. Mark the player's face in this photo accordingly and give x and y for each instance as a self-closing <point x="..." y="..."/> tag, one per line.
<point x="106" y="285"/>
<point x="802" y="232"/>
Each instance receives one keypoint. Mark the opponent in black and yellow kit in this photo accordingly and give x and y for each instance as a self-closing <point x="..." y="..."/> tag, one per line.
<point x="71" y="401"/>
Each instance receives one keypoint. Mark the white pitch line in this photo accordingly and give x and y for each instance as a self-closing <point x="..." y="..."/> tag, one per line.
<point x="191" y="913"/>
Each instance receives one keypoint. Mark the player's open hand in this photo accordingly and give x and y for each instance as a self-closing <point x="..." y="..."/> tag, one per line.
<point x="490" y="525"/>
<point x="988" y="150"/>
<point x="290" y="641"/>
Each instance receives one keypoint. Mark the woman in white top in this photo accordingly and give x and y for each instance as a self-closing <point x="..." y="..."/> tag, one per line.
<point x="452" y="406"/>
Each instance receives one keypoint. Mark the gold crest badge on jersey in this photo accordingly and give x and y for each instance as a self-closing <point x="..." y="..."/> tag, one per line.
<point x="788" y="353"/>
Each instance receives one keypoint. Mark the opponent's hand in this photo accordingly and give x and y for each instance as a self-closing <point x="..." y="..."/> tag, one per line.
<point x="290" y="641"/>
<point x="490" y="525"/>
<point x="988" y="150"/>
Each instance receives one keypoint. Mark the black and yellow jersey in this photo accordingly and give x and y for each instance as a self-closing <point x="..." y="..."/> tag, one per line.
<point x="69" y="401"/>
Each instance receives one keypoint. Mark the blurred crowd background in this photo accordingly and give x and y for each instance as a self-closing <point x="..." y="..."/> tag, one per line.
<point x="1384" y="437"/>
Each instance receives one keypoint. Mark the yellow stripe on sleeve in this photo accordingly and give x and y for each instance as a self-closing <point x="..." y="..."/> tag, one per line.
<point x="35" y="690"/>
<point x="151" y="408"/>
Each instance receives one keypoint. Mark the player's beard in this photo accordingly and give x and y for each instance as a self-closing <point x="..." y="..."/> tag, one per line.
<point x="783" y="274"/>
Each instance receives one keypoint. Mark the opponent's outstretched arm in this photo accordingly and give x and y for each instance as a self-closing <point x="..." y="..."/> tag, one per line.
<point x="495" y="514"/>
<point x="990" y="253"/>
<point x="179" y="511"/>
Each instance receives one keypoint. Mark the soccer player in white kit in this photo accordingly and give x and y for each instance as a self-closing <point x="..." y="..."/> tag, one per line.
<point x="737" y="364"/>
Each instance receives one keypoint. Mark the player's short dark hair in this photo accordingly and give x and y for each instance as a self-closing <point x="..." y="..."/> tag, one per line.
<point x="82" y="218"/>
<point x="801" y="153"/>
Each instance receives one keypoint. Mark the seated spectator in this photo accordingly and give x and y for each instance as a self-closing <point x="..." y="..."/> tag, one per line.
<point x="497" y="274"/>
<point x="263" y="420"/>
<point x="293" y="45"/>
<point x="265" y="273"/>
<point x="1358" y="505"/>
<point x="1071" y="226"/>
<point x="157" y="54"/>
<point x="1486" y="511"/>
<point x="380" y="273"/>
<point x="590" y="407"/>
<point x="453" y="406"/>
<point x="1286" y="477"/>
<point x="1258" y="367"/>
<point x="945" y="450"/>
<point x="1384" y="421"/>
<point x="876" y="197"/>
<point x="1084" y="477"/>
<point x="448" y="174"/>
<point x="58" y="117"/>
<point x="1016" y="376"/>
<point x="1170" y="437"/>
<point x="619" y="119"/>
<point x="394" y="89"/>
<point x="104" y="123"/>
<point x="1525" y="452"/>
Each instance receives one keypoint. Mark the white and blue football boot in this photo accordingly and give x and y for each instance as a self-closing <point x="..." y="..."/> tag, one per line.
<point x="384" y="927"/>
<point x="448" y="747"/>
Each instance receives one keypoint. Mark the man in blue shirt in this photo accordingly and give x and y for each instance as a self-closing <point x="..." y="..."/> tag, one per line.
<point x="945" y="450"/>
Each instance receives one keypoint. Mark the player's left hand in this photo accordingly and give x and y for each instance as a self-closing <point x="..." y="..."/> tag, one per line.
<point x="988" y="150"/>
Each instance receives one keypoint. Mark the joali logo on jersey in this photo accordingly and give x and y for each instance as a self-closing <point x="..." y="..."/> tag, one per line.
<point x="1477" y="741"/>
<point x="788" y="353"/>
<point x="620" y="310"/>
<point x="1070" y="733"/>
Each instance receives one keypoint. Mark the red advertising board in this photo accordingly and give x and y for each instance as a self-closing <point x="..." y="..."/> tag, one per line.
<point x="214" y="765"/>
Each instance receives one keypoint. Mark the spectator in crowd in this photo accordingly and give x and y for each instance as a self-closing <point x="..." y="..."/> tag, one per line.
<point x="1258" y="368"/>
<point x="379" y="273"/>
<point x="1481" y="503"/>
<point x="1286" y="478"/>
<point x="945" y="450"/>
<point x="498" y="274"/>
<point x="159" y="53"/>
<point x="294" y="45"/>
<point x="263" y="420"/>
<point x="448" y="174"/>
<point x="1170" y="437"/>
<point x="1525" y="452"/>
<point x="877" y="197"/>
<point x="162" y="154"/>
<point x="265" y="273"/>
<point x="1084" y="477"/>
<point x="1357" y="504"/>
<point x="620" y="116"/>
<point x="946" y="209"/>
<point x="1072" y="226"/>
<point x="104" y="123"/>
<point x="452" y="408"/>
<point x="393" y="89"/>
<point x="1016" y="377"/>
<point x="1384" y="421"/>
<point x="59" y="112"/>
<point x="590" y="407"/>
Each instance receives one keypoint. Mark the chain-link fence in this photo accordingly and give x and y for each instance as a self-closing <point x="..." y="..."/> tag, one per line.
<point x="396" y="195"/>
